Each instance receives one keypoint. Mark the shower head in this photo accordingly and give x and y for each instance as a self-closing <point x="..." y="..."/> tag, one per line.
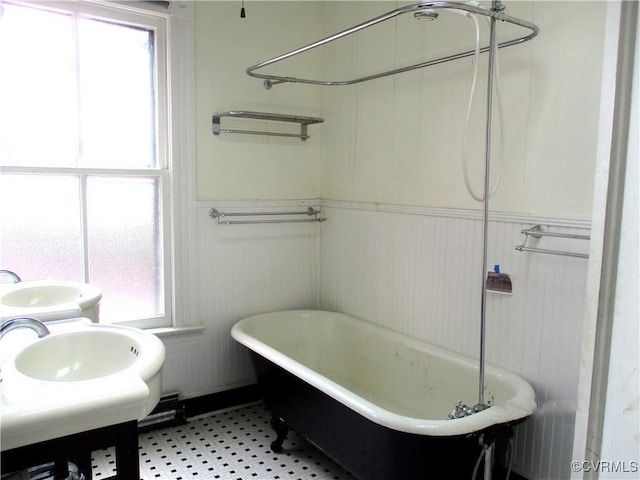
<point x="425" y="14"/>
<point x="431" y="14"/>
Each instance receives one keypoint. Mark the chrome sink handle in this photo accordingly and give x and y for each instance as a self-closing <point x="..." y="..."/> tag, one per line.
<point x="9" y="273"/>
<point x="28" y="322"/>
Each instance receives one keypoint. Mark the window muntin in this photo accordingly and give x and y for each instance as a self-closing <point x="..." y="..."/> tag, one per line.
<point x="100" y="86"/>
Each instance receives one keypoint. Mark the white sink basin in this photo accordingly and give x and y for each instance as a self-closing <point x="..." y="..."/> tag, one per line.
<point x="80" y="377"/>
<point x="76" y="356"/>
<point x="49" y="300"/>
<point x="42" y="295"/>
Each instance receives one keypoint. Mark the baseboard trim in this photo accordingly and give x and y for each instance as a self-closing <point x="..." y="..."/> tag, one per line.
<point x="172" y="411"/>
<point x="221" y="400"/>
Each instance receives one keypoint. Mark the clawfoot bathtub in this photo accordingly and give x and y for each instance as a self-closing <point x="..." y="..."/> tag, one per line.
<point x="374" y="400"/>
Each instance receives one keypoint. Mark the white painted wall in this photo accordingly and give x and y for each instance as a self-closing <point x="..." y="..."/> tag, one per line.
<point x="232" y="167"/>
<point x="620" y="448"/>
<point x="396" y="141"/>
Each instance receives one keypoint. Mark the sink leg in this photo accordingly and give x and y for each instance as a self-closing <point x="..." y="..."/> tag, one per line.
<point x="78" y="448"/>
<point x="83" y="461"/>
<point x="61" y="469"/>
<point x="127" y="456"/>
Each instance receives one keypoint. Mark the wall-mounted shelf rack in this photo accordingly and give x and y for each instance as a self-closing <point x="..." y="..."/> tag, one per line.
<point x="537" y="232"/>
<point x="273" y="117"/>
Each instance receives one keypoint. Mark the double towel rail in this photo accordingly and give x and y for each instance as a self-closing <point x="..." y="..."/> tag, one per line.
<point x="222" y="217"/>
<point x="271" y="117"/>
<point x="537" y="232"/>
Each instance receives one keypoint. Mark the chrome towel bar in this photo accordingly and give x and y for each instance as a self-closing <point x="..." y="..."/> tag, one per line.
<point x="310" y="212"/>
<point x="522" y="248"/>
<point x="536" y="232"/>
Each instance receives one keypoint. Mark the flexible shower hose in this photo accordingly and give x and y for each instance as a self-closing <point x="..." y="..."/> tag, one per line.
<point x="465" y="139"/>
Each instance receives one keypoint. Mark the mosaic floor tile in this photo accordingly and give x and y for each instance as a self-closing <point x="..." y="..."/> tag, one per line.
<point x="229" y="445"/>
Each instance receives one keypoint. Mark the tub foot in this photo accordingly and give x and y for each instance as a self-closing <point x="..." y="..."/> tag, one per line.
<point x="281" y="430"/>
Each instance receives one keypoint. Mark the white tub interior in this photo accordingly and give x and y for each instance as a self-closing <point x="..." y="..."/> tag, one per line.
<point x="389" y="374"/>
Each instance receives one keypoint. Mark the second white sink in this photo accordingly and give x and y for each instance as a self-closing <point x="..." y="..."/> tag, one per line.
<point x="49" y="300"/>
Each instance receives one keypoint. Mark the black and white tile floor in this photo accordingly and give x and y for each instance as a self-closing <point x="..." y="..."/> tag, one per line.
<point x="228" y="445"/>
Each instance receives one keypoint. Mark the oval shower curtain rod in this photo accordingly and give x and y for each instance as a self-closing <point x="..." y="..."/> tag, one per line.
<point x="270" y="80"/>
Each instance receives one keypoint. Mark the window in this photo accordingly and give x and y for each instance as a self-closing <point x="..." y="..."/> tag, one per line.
<point x="85" y="177"/>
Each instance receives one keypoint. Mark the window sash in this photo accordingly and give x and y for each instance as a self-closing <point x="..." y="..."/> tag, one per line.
<point x="133" y="17"/>
<point x="164" y="181"/>
<point x="159" y="23"/>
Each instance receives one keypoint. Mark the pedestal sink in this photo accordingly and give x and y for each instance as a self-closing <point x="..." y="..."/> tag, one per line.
<point x="80" y="377"/>
<point x="49" y="300"/>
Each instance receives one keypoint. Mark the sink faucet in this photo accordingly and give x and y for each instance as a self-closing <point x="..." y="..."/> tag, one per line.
<point x="9" y="273"/>
<point x="28" y="322"/>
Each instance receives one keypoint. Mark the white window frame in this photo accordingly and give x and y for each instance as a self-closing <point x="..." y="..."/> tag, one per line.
<point x="175" y="68"/>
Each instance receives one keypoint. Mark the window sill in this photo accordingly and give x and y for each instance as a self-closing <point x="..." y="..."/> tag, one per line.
<point x="174" y="331"/>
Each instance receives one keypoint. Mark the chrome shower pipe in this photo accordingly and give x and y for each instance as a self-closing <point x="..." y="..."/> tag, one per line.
<point x="485" y="201"/>
<point x="496" y="6"/>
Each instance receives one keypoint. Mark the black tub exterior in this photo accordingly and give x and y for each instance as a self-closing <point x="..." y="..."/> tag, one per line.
<point x="367" y="450"/>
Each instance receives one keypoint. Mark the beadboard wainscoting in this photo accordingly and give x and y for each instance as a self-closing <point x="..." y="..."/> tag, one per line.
<point x="418" y="271"/>
<point x="241" y="270"/>
<point x="412" y="269"/>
